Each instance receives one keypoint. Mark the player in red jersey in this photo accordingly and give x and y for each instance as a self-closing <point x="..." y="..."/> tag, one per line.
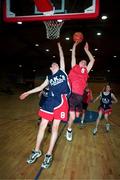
<point x="87" y="98"/>
<point x="78" y="77"/>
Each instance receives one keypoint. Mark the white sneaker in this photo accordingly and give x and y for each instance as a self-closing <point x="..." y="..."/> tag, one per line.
<point x="47" y="161"/>
<point x="34" y="156"/>
<point x="107" y="127"/>
<point x="94" y="131"/>
<point x="81" y="125"/>
<point x="69" y="135"/>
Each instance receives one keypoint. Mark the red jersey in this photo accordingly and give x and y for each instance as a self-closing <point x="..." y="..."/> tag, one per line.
<point x="87" y="96"/>
<point x="78" y="77"/>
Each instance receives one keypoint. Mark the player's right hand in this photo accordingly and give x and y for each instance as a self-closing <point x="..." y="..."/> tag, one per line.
<point x="23" y="96"/>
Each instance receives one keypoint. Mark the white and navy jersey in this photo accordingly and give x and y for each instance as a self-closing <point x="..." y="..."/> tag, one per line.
<point x="58" y="87"/>
<point x="58" y="84"/>
<point x="105" y="101"/>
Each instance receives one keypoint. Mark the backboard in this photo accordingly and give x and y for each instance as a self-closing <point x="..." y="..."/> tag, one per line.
<point x="43" y="10"/>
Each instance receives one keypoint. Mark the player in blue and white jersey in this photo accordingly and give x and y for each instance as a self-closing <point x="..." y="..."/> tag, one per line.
<point x="55" y="108"/>
<point x="107" y="98"/>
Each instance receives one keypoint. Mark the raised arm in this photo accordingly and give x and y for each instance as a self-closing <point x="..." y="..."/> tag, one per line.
<point x="37" y="89"/>
<point x="73" y="58"/>
<point x="62" y="61"/>
<point x="114" y="99"/>
<point x="90" y="56"/>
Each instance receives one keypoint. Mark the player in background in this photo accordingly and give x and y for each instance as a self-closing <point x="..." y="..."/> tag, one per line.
<point x="107" y="98"/>
<point x="87" y="99"/>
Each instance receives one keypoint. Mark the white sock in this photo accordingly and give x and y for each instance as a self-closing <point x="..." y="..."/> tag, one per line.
<point x="69" y="129"/>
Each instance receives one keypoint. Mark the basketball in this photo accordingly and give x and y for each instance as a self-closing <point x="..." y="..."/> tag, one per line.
<point x="78" y="37"/>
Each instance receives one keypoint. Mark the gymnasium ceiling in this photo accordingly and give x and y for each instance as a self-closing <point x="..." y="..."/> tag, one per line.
<point x="17" y="43"/>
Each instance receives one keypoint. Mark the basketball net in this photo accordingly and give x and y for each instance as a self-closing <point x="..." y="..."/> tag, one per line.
<point x="53" y="28"/>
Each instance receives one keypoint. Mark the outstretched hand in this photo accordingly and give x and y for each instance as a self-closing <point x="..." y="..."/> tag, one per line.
<point x="86" y="47"/>
<point x="23" y="96"/>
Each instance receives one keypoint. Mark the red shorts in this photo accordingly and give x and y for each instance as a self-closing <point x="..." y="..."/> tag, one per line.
<point x="60" y="112"/>
<point x="106" y="111"/>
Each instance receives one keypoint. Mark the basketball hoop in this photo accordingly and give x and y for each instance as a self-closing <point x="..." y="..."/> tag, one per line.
<point x="53" y="28"/>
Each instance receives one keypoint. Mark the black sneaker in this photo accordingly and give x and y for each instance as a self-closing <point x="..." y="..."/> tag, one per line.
<point x="33" y="157"/>
<point x="47" y="161"/>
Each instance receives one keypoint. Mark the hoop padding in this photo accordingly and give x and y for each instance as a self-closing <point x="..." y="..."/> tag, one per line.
<point x="53" y="28"/>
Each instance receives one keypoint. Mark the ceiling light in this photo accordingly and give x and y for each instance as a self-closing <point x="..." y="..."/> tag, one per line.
<point x="36" y="45"/>
<point x="104" y="17"/>
<point x="67" y="38"/>
<point x="114" y="56"/>
<point x="96" y="49"/>
<point x="99" y="33"/>
<point x="20" y="65"/>
<point x="47" y="50"/>
<point x="19" y="22"/>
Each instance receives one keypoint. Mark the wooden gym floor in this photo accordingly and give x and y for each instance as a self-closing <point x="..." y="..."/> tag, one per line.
<point x="87" y="157"/>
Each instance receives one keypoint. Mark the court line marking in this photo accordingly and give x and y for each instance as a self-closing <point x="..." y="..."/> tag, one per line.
<point x="115" y="123"/>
